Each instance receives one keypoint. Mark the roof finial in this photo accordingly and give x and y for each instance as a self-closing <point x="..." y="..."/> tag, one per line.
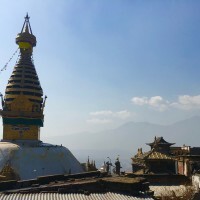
<point x="27" y="17"/>
<point x="2" y="101"/>
<point x="43" y="105"/>
<point x="26" y="24"/>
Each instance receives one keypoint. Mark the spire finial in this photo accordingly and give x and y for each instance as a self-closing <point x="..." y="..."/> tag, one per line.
<point x="26" y="36"/>
<point x="27" y="17"/>
<point x="26" y="25"/>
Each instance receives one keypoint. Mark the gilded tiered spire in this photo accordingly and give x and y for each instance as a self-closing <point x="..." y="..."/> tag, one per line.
<point x="23" y="103"/>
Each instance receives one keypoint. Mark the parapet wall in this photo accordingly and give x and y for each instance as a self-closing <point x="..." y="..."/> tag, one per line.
<point x="163" y="179"/>
<point x="89" y="182"/>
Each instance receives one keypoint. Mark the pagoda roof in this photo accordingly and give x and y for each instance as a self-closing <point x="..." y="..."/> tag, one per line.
<point x="160" y="141"/>
<point x="157" y="156"/>
<point x="153" y="155"/>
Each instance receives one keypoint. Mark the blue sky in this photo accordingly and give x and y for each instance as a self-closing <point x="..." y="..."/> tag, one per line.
<point x="103" y="63"/>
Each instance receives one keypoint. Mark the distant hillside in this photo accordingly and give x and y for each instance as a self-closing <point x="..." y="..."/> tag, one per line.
<point x="126" y="139"/>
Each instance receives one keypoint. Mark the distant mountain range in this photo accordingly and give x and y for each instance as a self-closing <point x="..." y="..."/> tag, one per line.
<point x="126" y="139"/>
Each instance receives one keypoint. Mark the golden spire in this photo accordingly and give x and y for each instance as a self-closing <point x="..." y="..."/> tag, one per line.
<point x="23" y="103"/>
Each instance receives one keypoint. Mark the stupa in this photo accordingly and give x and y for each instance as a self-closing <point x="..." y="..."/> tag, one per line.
<point x="22" y="112"/>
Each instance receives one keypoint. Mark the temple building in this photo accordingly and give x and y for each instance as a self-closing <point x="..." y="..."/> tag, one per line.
<point x="164" y="158"/>
<point x="21" y="151"/>
<point x="157" y="160"/>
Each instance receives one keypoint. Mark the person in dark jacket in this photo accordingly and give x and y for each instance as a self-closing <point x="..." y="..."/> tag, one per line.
<point x="117" y="166"/>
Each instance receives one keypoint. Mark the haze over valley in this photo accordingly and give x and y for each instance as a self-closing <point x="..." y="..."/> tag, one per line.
<point x="126" y="139"/>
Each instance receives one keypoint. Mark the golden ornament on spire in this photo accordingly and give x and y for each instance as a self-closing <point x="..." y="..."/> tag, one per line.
<point x="26" y="39"/>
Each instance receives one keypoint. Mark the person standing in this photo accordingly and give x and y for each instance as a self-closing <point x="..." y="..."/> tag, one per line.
<point x="117" y="166"/>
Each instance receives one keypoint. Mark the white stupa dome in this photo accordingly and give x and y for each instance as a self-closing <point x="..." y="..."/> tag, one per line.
<point x="30" y="159"/>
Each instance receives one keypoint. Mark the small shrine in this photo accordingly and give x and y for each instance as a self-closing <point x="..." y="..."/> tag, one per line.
<point x="8" y="173"/>
<point x="89" y="165"/>
<point x="157" y="160"/>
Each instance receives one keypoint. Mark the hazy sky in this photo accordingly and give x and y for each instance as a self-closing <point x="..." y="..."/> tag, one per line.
<point x="102" y="63"/>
